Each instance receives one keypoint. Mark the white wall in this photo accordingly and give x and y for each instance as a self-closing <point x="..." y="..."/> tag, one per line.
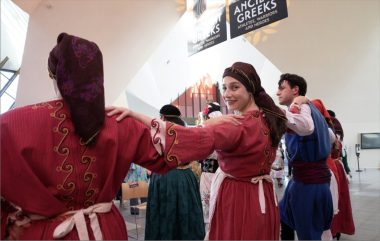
<point x="127" y="31"/>
<point x="335" y="45"/>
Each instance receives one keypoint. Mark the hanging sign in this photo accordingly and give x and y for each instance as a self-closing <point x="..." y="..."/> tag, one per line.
<point x="248" y="15"/>
<point x="207" y="25"/>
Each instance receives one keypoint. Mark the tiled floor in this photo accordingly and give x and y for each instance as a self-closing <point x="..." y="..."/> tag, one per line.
<point x="365" y="199"/>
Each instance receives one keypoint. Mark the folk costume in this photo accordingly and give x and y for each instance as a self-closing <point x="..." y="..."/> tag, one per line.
<point x="64" y="161"/>
<point x="174" y="210"/>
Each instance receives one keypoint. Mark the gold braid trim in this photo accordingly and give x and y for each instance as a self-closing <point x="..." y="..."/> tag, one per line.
<point x="67" y="186"/>
<point x="89" y="177"/>
<point x="281" y="116"/>
<point x="172" y="132"/>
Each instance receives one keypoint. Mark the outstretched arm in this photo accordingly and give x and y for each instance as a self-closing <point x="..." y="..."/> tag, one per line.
<point x="232" y="119"/>
<point x="125" y="112"/>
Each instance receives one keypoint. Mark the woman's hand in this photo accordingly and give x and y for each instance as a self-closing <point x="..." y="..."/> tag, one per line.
<point x="295" y="107"/>
<point x="121" y="111"/>
<point x="299" y="100"/>
<point x="232" y="119"/>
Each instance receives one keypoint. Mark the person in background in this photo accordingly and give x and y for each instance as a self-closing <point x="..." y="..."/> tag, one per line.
<point x="306" y="206"/>
<point x="343" y="222"/>
<point x="335" y="184"/>
<point x="174" y="209"/>
<point x="209" y="166"/>
<point x="135" y="174"/>
<point x="339" y="131"/>
<point x="243" y="204"/>
<point x="278" y="166"/>
<point x="66" y="159"/>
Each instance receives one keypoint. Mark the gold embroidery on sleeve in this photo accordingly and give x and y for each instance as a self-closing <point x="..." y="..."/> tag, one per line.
<point x="172" y="132"/>
<point x="157" y="136"/>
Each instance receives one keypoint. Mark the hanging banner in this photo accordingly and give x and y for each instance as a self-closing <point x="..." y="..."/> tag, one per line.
<point x="207" y="24"/>
<point x="248" y="15"/>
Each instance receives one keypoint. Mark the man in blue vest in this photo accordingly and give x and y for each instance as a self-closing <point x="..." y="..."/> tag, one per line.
<point x="307" y="205"/>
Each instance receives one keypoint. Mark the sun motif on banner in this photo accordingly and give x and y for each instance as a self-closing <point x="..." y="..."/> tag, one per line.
<point x="254" y="37"/>
<point x="262" y="34"/>
<point x="181" y="6"/>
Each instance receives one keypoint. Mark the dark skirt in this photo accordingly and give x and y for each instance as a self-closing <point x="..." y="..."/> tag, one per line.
<point x="174" y="209"/>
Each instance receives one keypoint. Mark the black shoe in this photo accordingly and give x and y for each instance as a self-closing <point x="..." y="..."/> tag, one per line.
<point x="337" y="236"/>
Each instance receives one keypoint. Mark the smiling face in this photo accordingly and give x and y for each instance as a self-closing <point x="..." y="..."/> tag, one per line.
<point x="236" y="96"/>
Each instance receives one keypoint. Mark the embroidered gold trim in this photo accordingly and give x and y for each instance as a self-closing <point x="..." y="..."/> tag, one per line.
<point x="42" y="105"/>
<point x="172" y="132"/>
<point x="66" y="186"/>
<point x="89" y="177"/>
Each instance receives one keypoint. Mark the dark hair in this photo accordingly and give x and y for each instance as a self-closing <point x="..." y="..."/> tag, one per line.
<point x="332" y="113"/>
<point x="174" y="119"/>
<point x="294" y="80"/>
<point x="273" y="115"/>
<point x="172" y="114"/>
<point x="170" y="110"/>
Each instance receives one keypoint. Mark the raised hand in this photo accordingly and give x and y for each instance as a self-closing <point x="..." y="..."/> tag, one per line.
<point x="122" y="112"/>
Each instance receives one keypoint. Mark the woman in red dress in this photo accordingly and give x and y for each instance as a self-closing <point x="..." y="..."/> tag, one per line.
<point x="63" y="161"/>
<point x="243" y="204"/>
<point x="343" y="221"/>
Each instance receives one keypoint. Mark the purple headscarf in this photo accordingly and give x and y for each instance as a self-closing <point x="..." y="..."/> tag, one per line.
<point x="77" y="66"/>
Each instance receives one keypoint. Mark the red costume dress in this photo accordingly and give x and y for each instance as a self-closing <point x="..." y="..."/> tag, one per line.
<point x="246" y="205"/>
<point x="47" y="171"/>
<point x="343" y="222"/>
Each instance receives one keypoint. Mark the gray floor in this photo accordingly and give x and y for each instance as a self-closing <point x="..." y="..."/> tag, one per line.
<point x="365" y="199"/>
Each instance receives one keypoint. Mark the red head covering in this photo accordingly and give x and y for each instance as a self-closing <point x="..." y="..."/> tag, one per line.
<point x="77" y="66"/>
<point x="321" y="107"/>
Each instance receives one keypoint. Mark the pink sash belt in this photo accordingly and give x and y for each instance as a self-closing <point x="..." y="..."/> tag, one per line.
<point x="77" y="219"/>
